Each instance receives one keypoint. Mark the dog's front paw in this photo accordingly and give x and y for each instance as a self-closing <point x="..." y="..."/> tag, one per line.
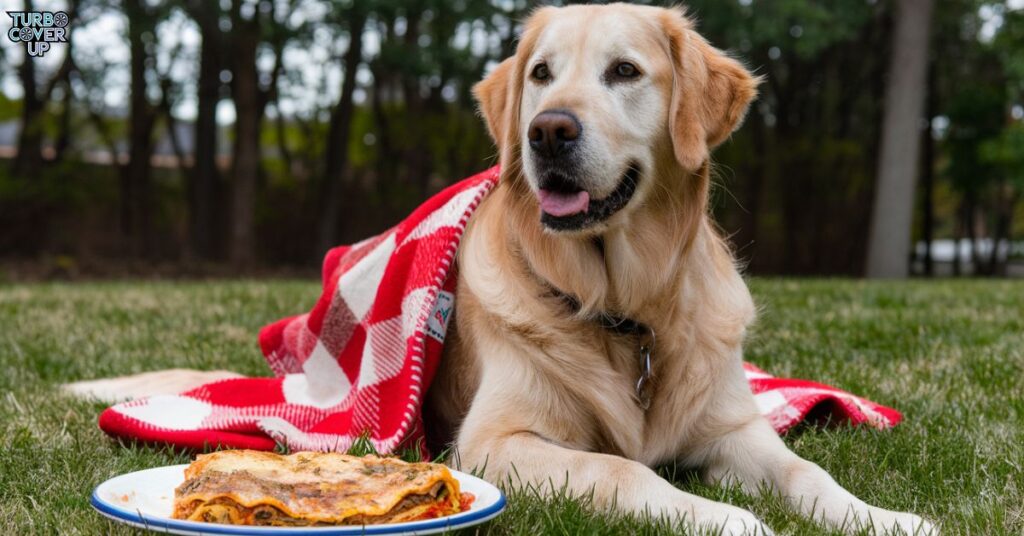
<point x="740" y="527"/>
<point x="886" y="522"/>
<point x="737" y="522"/>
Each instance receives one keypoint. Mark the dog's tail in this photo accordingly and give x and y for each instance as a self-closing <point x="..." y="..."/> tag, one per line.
<point x="161" y="382"/>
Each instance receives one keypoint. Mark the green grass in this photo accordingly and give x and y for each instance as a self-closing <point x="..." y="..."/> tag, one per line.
<point x="950" y="355"/>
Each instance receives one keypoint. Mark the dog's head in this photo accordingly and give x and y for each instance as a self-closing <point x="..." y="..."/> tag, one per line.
<point x="600" y="101"/>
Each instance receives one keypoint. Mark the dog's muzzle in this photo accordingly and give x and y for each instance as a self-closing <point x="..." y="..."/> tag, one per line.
<point x="565" y="206"/>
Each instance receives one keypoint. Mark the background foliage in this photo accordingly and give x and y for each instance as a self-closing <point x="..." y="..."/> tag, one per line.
<point x="260" y="132"/>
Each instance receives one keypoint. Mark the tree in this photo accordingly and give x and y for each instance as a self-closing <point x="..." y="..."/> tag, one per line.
<point x="252" y="25"/>
<point x="812" y="135"/>
<point x="1006" y="154"/>
<point x="893" y="208"/>
<point x="136" y="174"/>
<point x="1002" y="153"/>
<point x="339" y="131"/>
<point x="35" y="97"/>
<point x="203" y="179"/>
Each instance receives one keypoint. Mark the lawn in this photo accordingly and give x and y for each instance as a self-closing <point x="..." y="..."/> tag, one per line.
<point x="950" y="355"/>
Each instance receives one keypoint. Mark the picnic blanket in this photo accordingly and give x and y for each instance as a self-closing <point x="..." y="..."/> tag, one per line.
<point x="358" y="364"/>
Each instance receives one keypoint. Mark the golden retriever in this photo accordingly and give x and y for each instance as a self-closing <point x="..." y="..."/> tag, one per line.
<point x="601" y="315"/>
<point x="604" y="119"/>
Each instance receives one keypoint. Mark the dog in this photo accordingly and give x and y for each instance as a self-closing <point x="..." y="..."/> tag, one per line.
<point x="604" y="120"/>
<point x="600" y="313"/>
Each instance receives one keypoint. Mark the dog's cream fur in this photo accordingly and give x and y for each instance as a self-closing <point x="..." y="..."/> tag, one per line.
<point x="544" y="396"/>
<point x="537" y="393"/>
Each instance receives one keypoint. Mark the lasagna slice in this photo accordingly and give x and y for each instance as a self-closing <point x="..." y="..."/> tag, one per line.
<point x="246" y="487"/>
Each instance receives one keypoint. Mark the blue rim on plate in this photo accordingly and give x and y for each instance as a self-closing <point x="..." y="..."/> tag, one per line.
<point x="176" y="526"/>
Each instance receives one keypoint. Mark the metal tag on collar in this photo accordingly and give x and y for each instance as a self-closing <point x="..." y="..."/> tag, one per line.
<point x="643" y="384"/>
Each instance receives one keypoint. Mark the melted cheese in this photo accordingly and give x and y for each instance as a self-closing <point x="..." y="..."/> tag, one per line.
<point x="246" y="487"/>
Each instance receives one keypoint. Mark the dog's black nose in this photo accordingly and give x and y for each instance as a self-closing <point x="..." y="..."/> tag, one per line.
<point x="553" y="133"/>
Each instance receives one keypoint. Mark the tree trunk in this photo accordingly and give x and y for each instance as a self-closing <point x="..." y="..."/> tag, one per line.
<point x="136" y="179"/>
<point x="970" y="224"/>
<point x="958" y="236"/>
<point x="282" y="143"/>
<point x="30" y="139"/>
<point x="1007" y="223"/>
<point x="203" y="179"/>
<point x="893" y="208"/>
<point x="416" y="158"/>
<point x="63" y="142"/>
<point x="338" y="135"/>
<point x="1005" y="203"/>
<point x="385" y="167"/>
<point x="245" y="90"/>
<point x="928" y="174"/>
<point x="747" y="235"/>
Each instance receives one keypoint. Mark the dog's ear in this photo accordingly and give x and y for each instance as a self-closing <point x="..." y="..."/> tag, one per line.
<point x="500" y="92"/>
<point x="710" y="92"/>
<point x="493" y="94"/>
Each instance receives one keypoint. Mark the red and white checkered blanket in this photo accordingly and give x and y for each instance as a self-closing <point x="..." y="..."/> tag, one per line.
<point x="362" y="359"/>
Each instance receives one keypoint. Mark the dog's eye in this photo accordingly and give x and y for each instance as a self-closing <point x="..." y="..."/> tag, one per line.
<point x="540" y="72"/>
<point x="626" y="70"/>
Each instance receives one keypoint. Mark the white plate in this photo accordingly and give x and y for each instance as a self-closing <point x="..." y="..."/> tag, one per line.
<point x="145" y="499"/>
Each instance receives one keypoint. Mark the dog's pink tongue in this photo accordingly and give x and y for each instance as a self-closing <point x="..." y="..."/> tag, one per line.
<point x="563" y="204"/>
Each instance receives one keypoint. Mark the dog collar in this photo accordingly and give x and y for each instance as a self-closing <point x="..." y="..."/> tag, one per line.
<point x="622" y="325"/>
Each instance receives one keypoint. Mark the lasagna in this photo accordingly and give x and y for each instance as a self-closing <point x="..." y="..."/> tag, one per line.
<point x="246" y="487"/>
